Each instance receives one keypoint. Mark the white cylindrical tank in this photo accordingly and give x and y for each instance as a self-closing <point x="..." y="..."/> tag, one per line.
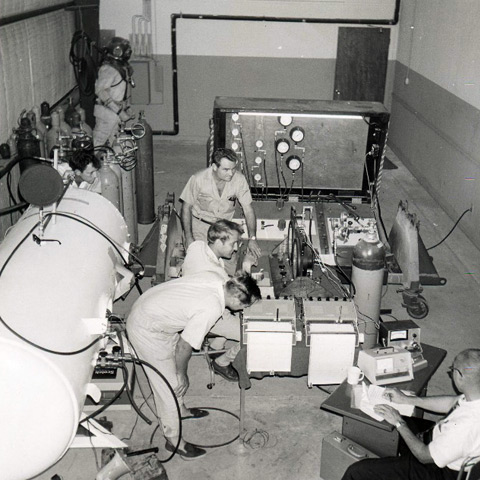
<point x="56" y="295"/>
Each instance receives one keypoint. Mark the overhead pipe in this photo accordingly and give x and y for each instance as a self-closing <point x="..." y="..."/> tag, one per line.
<point x="173" y="33"/>
<point x="33" y="13"/>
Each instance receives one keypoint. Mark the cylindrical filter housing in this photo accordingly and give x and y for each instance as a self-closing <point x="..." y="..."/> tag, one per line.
<point x="368" y="265"/>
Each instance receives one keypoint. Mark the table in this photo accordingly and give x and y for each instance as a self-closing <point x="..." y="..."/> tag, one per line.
<point x="380" y="437"/>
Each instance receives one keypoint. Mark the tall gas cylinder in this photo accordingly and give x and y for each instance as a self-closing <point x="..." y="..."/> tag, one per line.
<point x="144" y="175"/>
<point x="368" y="265"/>
<point x="41" y="130"/>
<point x="110" y="184"/>
<point x="28" y="145"/>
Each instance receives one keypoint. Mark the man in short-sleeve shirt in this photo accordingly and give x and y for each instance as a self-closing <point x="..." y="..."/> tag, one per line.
<point x="171" y="319"/>
<point x="212" y="194"/>
<point x="454" y="439"/>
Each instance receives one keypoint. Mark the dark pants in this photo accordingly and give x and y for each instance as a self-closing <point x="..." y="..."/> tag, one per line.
<point x="406" y="467"/>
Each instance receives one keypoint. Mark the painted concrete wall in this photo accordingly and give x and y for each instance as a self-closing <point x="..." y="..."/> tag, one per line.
<point x="435" y="126"/>
<point x="239" y="58"/>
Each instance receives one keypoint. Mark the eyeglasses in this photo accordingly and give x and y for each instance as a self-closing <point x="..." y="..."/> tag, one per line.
<point x="451" y="369"/>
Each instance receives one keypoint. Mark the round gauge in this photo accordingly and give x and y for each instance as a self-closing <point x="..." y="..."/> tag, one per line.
<point x="297" y="134"/>
<point x="259" y="143"/>
<point x="257" y="177"/>
<point x="234" y="146"/>
<point x="235" y="117"/>
<point x="294" y="163"/>
<point x="258" y="160"/>
<point x="282" y="146"/>
<point x="285" y="120"/>
<point x="235" y="132"/>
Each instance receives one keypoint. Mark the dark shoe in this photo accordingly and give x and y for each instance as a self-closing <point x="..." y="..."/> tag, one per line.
<point x="195" y="413"/>
<point x="228" y="372"/>
<point x="189" y="453"/>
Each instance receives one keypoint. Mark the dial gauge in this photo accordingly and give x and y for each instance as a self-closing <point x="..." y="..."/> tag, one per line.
<point x="285" y="120"/>
<point x="294" y="163"/>
<point x="258" y="160"/>
<point x="282" y="146"/>
<point x="297" y="134"/>
<point x="259" y="143"/>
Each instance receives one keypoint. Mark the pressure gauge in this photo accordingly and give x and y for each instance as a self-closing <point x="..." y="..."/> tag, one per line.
<point x="258" y="160"/>
<point x="234" y="146"/>
<point x="294" y="163"/>
<point x="235" y="132"/>
<point x="257" y="177"/>
<point x="285" y="120"/>
<point x="282" y="146"/>
<point x="259" y="143"/>
<point x="297" y="134"/>
<point x="235" y="117"/>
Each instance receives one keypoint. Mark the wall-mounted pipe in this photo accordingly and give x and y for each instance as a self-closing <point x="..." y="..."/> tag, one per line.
<point x="178" y="16"/>
<point x="33" y="13"/>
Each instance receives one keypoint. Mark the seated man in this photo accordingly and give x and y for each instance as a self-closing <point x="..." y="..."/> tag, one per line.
<point x="223" y="237"/>
<point x="454" y="439"/>
<point x="83" y="167"/>
<point x="171" y="319"/>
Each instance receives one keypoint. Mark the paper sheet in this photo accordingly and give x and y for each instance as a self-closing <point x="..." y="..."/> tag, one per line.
<point x="373" y="395"/>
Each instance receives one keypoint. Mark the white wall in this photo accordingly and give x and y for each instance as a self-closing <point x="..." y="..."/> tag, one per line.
<point x="443" y="44"/>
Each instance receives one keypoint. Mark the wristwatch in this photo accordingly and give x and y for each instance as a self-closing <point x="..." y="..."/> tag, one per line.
<point x="400" y="423"/>
<point x="253" y="237"/>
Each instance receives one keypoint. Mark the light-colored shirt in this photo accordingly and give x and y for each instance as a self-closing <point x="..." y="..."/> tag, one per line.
<point x="200" y="258"/>
<point x="65" y="171"/>
<point x="190" y="305"/>
<point x="202" y="193"/>
<point x="457" y="436"/>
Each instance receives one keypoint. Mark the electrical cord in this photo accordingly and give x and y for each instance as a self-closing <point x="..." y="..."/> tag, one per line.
<point x="451" y="231"/>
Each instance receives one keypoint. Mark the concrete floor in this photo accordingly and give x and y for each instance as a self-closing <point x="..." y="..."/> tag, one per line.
<point x="283" y="416"/>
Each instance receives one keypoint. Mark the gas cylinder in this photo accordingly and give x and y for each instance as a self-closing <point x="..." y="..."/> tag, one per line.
<point x="28" y="145"/>
<point x="39" y="128"/>
<point x="69" y="111"/>
<point x="368" y="264"/>
<point x="64" y="126"/>
<point x="110" y="184"/>
<point x="114" y="164"/>
<point x="84" y="123"/>
<point x="45" y="116"/>
<point x="144" y="175"/>
<point x="53" y="134"/>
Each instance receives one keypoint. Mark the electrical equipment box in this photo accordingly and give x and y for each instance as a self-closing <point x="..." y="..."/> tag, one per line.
<point x="383" y="366"/>
<point x="332" y="336"/>
<point x="269" y="331"/>
<point x="304" y="147"/>
<point x="403" y="334"/>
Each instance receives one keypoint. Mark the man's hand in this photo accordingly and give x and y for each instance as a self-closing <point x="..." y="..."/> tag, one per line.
<point x="395" y="395"/>
<point x="388" y="413"/>
<point x="254" y="249"/>
<point x="182" y="384"/>
<point x="126" y="115"/>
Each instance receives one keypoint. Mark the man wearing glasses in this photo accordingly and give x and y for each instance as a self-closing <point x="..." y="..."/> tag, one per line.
<point x="454" y="438"/>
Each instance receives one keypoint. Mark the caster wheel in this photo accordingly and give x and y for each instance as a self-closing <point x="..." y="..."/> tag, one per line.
<point x="209" y="386"/>
<point x="420" y="309"/>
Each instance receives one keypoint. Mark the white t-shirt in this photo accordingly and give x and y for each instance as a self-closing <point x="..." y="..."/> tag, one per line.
<point x="200" y="258"/>
<point x="457" y="436"/>
<point x="190" y="305"/>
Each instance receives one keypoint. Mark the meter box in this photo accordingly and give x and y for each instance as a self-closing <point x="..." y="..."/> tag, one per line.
<point x="303" y="147"/>
<point x="269" y="331"/>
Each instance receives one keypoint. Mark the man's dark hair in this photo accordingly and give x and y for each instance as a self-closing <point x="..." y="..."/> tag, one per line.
<point x="245" y="288"/>
<point x="222" y="229"/>
<point x="227" y="153"/>
<point x="81" y="159"/>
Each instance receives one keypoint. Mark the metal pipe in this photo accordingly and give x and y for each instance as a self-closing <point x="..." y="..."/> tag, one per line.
<point x="173" y="29"/>
<point x="34" y="13"/>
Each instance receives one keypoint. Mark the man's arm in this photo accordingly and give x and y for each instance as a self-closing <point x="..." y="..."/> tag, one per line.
<point x="183" y="354"/>
<point x="251" y="221"/>
<point x="438" y="404"/>
<point x="416" y="446"/>
<point x="186" y="216"/>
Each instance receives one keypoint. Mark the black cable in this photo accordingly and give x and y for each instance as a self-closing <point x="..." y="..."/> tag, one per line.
<point x="453" y="228"/>
<point x="127" y="388"/>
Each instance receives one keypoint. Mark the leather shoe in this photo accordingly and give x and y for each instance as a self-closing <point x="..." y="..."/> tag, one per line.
<point x="228" y="372"/>
<point x="189" y="452"/>
<point x="195" y="413"/>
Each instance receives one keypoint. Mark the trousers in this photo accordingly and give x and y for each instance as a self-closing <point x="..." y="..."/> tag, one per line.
<point x="406" y="467"/>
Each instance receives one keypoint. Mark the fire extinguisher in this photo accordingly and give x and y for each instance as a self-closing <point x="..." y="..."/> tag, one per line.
<point x="144" y="175"/>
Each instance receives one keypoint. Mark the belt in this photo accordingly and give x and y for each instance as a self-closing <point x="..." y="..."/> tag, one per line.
<point x="203" y="220"/>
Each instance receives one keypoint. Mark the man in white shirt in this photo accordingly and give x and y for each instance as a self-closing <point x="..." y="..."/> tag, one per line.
<point x="223" y="237"/>
<point x="454" y="439"/>
<point x="83" y="168"/>
<point x="170" y="320"/>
